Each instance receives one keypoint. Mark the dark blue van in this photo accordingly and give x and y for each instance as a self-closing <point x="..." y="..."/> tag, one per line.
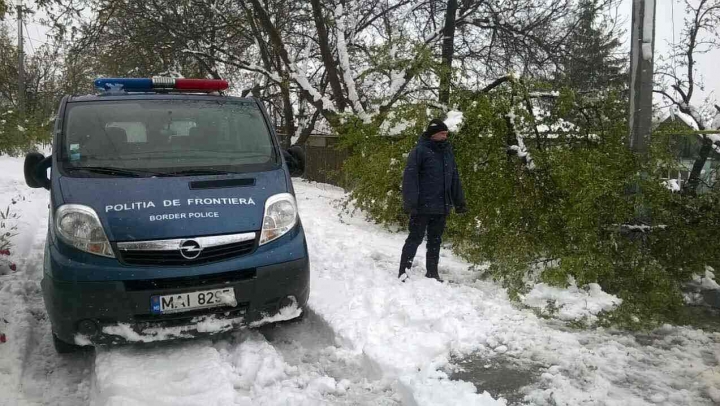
<point x="172" y="213"/>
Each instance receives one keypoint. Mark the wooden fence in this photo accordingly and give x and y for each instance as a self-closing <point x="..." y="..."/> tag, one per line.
<point x="324" y="161"/>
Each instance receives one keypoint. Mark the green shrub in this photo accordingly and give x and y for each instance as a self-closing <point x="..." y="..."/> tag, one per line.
<point x="18" y="135"/>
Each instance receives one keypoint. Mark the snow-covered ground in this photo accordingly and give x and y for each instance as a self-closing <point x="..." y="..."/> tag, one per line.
<point x="30" y="371"/>
<point x="572" y="303"/>
<point x="367" y="338"/>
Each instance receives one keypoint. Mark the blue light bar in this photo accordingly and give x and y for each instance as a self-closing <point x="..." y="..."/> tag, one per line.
<point x="127" y="84"/>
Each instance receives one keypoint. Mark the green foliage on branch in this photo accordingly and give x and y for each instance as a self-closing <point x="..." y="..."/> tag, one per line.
<point x="561" y="218"/>
<point x="374" y="170"/>
<point x="18" y="135"/>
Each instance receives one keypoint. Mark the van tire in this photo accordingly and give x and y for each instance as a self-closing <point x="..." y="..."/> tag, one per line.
<point x="62" y="347"/>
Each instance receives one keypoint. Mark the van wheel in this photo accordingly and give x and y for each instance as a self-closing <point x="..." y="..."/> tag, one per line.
<point x="62" y="347"/>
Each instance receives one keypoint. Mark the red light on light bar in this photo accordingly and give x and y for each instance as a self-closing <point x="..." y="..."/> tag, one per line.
<point x="201" y="84"/>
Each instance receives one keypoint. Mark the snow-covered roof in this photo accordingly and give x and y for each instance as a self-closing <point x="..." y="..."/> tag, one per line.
<point x="674" y="115"/>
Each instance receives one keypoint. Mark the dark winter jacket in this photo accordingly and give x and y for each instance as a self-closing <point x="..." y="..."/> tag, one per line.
<point x="431" y="183"/>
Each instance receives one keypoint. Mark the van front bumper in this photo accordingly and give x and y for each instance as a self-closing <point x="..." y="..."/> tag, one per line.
<point x="102" y="312"/>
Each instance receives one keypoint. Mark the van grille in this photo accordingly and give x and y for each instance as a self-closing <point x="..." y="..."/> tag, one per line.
<point x="193" y="281"/>
<point x="151" y="253"/>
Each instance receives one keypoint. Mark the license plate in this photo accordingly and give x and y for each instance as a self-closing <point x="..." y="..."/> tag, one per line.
<point x="182" y="302"/>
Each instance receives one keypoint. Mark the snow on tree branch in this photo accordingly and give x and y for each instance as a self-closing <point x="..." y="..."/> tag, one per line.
<point x="345" y="66"/>
<point x="298" y="74"/>
<point x="552" y="94"/>
<point x="397" y="77"/>
<point x="520" y="149"/>
<point x="693" y="112"/>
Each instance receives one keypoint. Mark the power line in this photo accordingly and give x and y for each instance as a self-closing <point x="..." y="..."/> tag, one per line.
<point x="28" y="37"/>
<point x="35" y="40"/>
<point x="36" y="29"/>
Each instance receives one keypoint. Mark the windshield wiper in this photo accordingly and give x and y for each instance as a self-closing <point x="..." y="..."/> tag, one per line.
<point x="106" y="170"/>
<point x="194" y="172"/>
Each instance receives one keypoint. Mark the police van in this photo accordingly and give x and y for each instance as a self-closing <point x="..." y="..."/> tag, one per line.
<point x="171" y="210"/>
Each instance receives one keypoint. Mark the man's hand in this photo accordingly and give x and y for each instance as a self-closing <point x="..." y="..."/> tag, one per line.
<point x="410" y="209"/>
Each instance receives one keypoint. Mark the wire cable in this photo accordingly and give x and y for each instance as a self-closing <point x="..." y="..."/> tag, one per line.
<point x="28" y="37"/>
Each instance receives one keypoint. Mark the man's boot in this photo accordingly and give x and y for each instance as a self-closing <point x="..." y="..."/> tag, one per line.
<point x="418" y="224"/>
<point x="405" y="264"/>
<point x="402" y="275"/>
<point x="432" y="269"/>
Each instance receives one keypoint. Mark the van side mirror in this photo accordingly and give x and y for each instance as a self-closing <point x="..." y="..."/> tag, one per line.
<point x="35" y="170"/>
<point x="295" y="158"/>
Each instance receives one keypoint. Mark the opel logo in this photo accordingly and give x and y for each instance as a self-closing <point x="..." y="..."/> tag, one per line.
<point x="190" y="249"/>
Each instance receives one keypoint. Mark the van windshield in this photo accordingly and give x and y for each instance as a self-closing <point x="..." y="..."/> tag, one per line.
<point x="163" y="137"/>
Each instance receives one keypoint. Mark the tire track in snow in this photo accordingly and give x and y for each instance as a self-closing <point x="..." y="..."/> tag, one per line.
<point x="31" y="372"/>
<point x="292" y="363"/>
<point x="48" y="377"/>
<point x="310" y="346"/>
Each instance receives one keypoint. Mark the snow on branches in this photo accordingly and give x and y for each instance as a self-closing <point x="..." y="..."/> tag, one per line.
<point x="517" y="124"/>
<point x="345" y="65"/>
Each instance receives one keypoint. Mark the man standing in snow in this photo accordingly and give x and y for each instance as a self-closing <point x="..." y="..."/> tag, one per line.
<point x="431" y="187"/>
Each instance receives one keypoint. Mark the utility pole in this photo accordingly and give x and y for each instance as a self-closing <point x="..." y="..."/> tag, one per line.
<point x="641" y="96"/>
<point x="641" y="75"/>
<point x="21" y="63"/>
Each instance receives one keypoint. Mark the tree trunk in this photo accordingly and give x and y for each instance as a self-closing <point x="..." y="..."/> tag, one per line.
<point x="264" y="52"/>
<point x="279" y="45"/>
<point x="307" y="130"/>
<point x="287" y="112"/>
<point x="327" y="57"/>
<point x="694" y="178"/>
<point x="707" y="146"/>
<point x="693" y="182"/>
<point x="448" y="49"/>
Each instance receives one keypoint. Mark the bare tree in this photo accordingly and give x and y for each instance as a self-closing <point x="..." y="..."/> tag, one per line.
<point x="327" y="54"/>
<point x="699" y="36"/>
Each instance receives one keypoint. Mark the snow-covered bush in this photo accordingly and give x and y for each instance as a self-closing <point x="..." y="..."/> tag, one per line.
<point x="558" y="195"/>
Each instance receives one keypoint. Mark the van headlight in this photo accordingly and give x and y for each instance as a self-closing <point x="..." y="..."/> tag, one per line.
<point x="80" y="227"/>
<point x="280" y="217"/>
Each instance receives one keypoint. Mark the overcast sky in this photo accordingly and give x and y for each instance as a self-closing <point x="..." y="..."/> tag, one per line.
<point x="707" y="64"/>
